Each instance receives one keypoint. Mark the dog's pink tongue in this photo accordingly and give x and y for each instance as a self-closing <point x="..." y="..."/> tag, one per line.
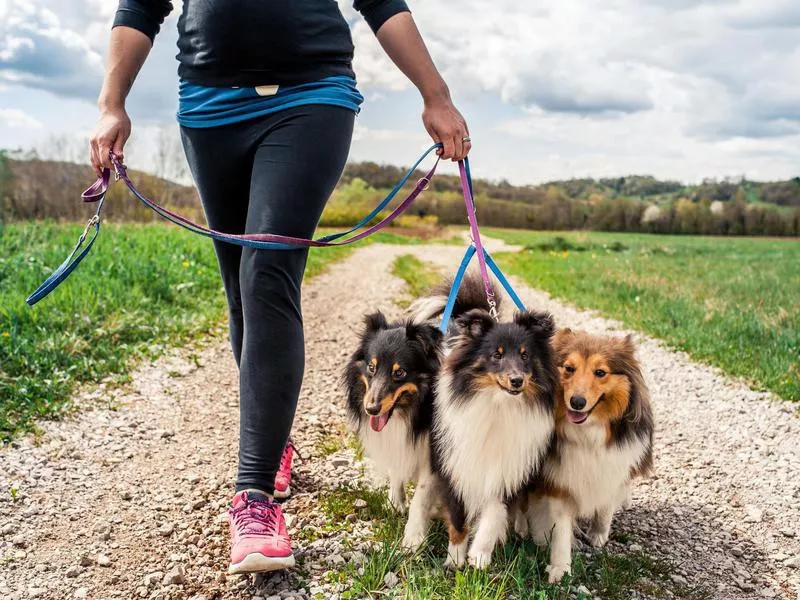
<point x="378" y="423"/>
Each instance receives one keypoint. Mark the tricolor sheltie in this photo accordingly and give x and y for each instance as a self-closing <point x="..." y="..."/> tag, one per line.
<point x="390" y="385"/>
<point x="604" y="438"/>
<point x="492" y="424"/>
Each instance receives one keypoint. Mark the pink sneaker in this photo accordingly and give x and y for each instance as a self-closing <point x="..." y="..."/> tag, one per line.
<point x="283" y="478"/>
<point x="259" y="540"/>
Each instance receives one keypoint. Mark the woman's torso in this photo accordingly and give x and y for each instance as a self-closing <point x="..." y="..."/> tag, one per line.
<point x="241" y="42"/>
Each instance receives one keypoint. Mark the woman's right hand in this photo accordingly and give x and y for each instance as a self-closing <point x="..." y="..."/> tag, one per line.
<point x="110" y="134"/>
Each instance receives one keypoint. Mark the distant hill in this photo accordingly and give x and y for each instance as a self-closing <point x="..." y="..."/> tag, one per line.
<point x="38" y="189"/>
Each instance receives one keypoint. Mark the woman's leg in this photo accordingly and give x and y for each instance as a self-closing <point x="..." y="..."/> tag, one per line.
<point x="221" y="162"/>
<point x="297" y="163"/>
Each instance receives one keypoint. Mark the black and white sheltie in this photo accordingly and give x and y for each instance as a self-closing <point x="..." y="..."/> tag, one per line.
<point x="493" y="415"/>
<point x="493" y="421"/>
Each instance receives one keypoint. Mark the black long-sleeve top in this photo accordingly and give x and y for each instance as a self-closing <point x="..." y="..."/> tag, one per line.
<point x="258" y="42"/>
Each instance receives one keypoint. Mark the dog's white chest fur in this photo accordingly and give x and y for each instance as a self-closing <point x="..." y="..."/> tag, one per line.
<point x="490" y="443"/>
<point x="392" y="451"/>
<point x="593" y="472"/>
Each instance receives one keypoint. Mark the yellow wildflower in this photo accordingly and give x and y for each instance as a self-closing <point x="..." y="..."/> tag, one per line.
<point x="185" y="263"/>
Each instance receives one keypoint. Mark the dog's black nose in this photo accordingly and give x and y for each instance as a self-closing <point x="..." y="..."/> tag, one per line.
<point x="516" y="382"/>
<point x="373" y="410"/>
<point x="577" y="402"/>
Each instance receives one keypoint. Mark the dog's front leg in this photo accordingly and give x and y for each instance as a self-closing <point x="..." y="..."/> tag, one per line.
<point x="561" y="542"/>
<point x="419" y="512"/>
<point x="492" y="528"/>
<point x="601" y="526"/>
<point x="397" y="493"/>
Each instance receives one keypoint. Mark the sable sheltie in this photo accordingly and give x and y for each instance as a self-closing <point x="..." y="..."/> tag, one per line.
<point x="390" y="383"/>
<point x="604" y="438"/>
<point x="493" y="421"/>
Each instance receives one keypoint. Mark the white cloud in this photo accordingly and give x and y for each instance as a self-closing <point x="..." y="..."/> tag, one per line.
<point x="17" y="118"/>
<point x="553" y="88"/>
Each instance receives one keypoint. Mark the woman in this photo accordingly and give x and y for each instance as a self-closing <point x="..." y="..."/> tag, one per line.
<point x="267" y="101"/>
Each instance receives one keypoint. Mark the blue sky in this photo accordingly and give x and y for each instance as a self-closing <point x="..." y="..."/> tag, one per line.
<point x="682" y="89"/>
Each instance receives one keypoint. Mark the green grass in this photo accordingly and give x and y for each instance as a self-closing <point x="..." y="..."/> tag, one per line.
<point x="518" y="570"/>
<point x="730" y="302"/>
<point x="420" y="276"/>
<point x="144" y="288"/>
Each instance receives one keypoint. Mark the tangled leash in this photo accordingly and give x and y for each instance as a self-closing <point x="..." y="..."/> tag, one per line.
<point x="269" y="241"/>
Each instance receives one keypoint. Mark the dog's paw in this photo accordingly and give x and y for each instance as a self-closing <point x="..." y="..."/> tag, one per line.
<point x="452" y="563"/>
<point x="627" y="501"/>
<point x="399" y="505"/>
<point x="480" y="559"/>
<point x="598" y="539"/>
<point x="556" y="572"/>
<point x="412" y="540"/>
<point x="521" y="525"/>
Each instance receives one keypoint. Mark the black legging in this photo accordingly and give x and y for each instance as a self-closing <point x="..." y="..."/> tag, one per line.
<point x="272" y="174"/>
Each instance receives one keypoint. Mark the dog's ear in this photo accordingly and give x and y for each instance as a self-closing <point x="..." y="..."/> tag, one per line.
<point x="562" y="337"/>
<point x="540" y="324"/>
<point x="628" y="345"/>
<point x="475" y="322"/>
<point x="375" y="322"/>
<point x="427" y="335"/>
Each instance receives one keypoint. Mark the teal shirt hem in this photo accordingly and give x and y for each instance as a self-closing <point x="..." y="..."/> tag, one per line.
<point x="204" y="106"/>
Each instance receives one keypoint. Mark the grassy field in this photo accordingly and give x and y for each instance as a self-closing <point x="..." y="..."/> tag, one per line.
<point x="730" y="302"/>
<point x="143" y="288"/>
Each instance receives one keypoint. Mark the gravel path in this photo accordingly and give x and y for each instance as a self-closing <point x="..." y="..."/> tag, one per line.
<point x="128" y="498"/>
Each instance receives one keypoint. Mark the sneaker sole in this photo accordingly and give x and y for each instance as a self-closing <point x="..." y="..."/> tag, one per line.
<point x="258" y="563"/>
<point x="282" y="495"/>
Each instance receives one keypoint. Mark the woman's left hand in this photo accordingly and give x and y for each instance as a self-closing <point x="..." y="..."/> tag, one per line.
<point x="446" y="125"/>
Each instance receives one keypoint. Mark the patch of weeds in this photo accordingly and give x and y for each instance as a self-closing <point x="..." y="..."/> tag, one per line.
<point x="355" y="445"/>
<point x="560" y="244"/>
<point x="333" y="440"/>
<point x="420" y="276"/>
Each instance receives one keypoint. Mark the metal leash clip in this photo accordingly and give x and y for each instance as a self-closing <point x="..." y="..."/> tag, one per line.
<point x="93" y="221"/>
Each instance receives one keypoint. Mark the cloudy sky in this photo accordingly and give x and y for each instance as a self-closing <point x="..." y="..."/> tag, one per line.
<point x="681" y="89"/>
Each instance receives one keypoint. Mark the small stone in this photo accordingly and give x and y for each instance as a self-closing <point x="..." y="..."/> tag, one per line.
<point x="391" y="580"/>
<point x="192" y="478"/>
<point x="8" y="529"/>
<point x="737" y="552"/>
<point x="754" y="514"/>
<point x="679" y="579"/>
<point x="166" y="529"/>
<point x="257" y="598"/>
<point x="18" y="540"/>
<point x="793" y="562"/>
<point x="584" y="591"/>
<point x="153" y="578"/>
<point x="103" y="560"/>
<point x="340" y="462"/>
<point x="86" y="561"/>
<point x="745" y="587"/>
<point x="175" y="576"/>
<point x="126" y="495"/>
<point x="199" y="597"/>
<point x="35" y="592"/>
<point x="360" y="503"/>
<point x="635" y="548"/>
<point x="73" y="571"/>
<point x="788" y="533"/>
<point x="275" y="597"/>
<point x="199" y="503"/>
<point x="81" y="592"/>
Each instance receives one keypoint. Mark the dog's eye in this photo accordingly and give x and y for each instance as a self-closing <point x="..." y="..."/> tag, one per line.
<point x="399" y="373"/>
<point x="599" y="373"/>
<point x="524" y="355"/>
<point x="371" y="368"/>
<point x="497" y="355"/>
<point x="569" y="369"/>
